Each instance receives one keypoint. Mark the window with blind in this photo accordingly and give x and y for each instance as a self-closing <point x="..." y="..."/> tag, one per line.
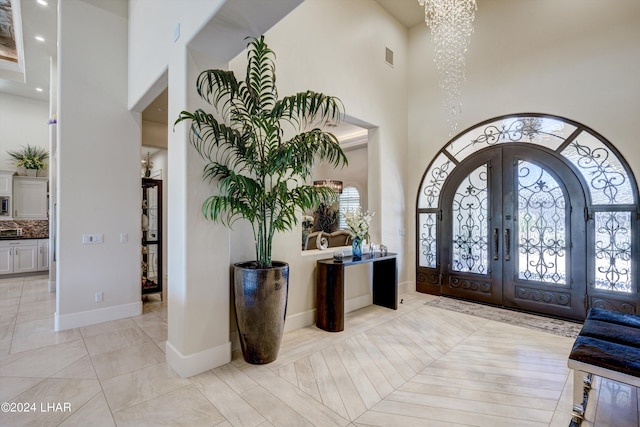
<point x="349" y="201"/>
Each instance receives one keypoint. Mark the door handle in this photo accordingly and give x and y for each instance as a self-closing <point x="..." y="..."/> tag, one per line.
<point x="496" y="242"/>
<point x="507" y="244"/>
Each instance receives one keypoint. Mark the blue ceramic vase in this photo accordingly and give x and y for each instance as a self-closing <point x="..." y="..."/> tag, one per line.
<point x="356" y="248"/>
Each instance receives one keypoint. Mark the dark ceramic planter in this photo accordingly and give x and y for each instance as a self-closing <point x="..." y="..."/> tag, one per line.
<point x="261" y="308"/>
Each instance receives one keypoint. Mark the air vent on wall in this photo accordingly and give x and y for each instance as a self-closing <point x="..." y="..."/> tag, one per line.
<point x="388" y="56"/>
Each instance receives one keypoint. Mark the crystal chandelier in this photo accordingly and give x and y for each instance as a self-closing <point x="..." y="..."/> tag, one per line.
<point x="451" y="24"/>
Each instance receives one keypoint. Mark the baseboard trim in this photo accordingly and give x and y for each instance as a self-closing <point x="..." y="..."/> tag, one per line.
<point x="356" y="303"/>
<point x="300" y="320"/>
<point x="292" y="323"/>
<point x="406" y="287"/>
<point x="101" y="315"/>
<point x="197" y="363"/>
<point x="235" y="340"/>
<point x="308" y="318"/>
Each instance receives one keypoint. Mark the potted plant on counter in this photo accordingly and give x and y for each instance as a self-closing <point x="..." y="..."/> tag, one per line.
<point x="261" y="177"/>
<point x="32" y="158"/>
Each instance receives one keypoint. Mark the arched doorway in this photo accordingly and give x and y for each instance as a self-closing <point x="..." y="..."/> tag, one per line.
<point x="532" y="212"/>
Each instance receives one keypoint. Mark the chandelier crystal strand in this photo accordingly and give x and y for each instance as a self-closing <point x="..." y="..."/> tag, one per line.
<point x="451" y="24"/>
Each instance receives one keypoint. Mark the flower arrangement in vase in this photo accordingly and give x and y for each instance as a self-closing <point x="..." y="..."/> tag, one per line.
<point x="147" y="166"/>
<point x="31" y="158"/>
<point x="358" y="226"/>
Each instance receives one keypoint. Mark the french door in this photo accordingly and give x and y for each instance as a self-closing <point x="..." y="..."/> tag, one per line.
<point x="514" y="232"/>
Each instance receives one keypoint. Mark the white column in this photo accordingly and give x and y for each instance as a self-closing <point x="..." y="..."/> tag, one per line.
<point x="198" y="250"/>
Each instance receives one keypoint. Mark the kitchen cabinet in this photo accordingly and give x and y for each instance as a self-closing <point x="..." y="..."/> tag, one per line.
<point x="6" y="194"/>
<point x="43" y="254"/>
<point x="6" y="182"/>
<point x="151" y="269"/>
<point x="30" y="197"/>
<point x="6" y="259"/>
<point x="18" y="256"/>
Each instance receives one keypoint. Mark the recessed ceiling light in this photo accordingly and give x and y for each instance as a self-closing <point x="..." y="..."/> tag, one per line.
<point x="40" y="38"/>
<point x="43" y="3"/>
<point x="38" y="89"/>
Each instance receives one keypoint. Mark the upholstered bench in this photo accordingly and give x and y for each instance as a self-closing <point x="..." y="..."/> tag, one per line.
<point x="608" y="346"/>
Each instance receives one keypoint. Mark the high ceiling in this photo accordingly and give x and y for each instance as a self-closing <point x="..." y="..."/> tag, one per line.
<point x="40" y="20"/>
<point x="408" y="12"/>
<point x="37" y="20"/>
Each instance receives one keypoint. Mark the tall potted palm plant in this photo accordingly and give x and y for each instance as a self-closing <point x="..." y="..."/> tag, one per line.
<point x="262" y="177"/>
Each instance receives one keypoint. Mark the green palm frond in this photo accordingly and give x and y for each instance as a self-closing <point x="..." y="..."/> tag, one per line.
<point x="303" y="149"/>
<point x="261" y="74"/>
<point x="215" y="85"/>
<point x="258" y="176"/>
<point x="308" y="107"/>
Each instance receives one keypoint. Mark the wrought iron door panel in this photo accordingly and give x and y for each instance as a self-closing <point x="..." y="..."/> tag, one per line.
<point x="546" y="273"/>
<point x="610" y="304"/>
<point x="469" y="246"/>
<point x="469" y="221"/>
<point x="509" y="236"/>
<point x="471" y="285"/>
<point x="613" y="251"/>
<point x="541" y="240"/>
<point x="562" y="299"/>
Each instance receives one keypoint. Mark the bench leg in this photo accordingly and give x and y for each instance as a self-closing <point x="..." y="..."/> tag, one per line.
<point x="581" y="387"/>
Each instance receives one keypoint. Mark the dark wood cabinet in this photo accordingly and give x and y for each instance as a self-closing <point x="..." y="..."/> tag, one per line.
<point x="151" y="269"/>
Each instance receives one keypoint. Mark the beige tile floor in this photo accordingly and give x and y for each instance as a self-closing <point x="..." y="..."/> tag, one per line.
<point x="417" y="366"/>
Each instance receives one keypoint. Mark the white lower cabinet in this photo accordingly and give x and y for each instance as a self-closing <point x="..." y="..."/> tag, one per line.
<point x="18" y="256"/>
<point x="6" y="259"/>
<point x="43" y="254"/>
<point x="25" y="258"/>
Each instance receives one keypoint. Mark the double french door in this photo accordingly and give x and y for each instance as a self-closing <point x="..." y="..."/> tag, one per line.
<point x="514" y="232"/>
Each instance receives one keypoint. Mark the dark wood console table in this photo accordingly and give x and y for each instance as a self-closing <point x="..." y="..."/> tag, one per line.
<point x="330" y="287"/>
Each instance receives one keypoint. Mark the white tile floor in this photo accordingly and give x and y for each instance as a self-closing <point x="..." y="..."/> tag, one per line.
<point x="419" y="365"/>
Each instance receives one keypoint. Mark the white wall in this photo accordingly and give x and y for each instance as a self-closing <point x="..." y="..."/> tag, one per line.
<point x="98" y="167"/>
<point x="576" y="58"/>
<point x="339" y="49"/>
<point x="151" y="40"/>
<point x="198" y="261"/>
<point x="23" y="121"/>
